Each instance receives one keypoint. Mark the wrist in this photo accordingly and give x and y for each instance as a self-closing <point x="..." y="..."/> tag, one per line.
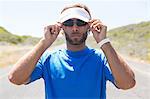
<point x="103" y="42"/>
<point x="45" y="43"/>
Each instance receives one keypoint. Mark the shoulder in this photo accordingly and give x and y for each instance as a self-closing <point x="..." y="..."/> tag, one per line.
<point x="48" y="54"/>
<point x="98" y="52"/>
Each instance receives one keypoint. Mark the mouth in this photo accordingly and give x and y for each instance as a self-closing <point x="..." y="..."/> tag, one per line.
<point x="75" y="35"/>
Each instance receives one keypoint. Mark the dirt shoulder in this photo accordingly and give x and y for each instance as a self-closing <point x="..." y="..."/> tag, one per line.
<point x="9" y="54"/>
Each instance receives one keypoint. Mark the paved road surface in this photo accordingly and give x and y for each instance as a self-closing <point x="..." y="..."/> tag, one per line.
<point x="142" y="88"/>
<point x="36" y="89"/>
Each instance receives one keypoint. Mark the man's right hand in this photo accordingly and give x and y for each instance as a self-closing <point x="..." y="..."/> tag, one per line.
<point x="50" y="33"/>
<point x="21" y="71"/>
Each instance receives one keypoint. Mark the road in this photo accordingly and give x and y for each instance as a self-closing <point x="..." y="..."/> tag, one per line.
<point x="142" y="88"/>
<point x="36" y="89"/>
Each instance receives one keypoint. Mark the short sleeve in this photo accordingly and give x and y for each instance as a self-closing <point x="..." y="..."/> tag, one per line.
<point x="107" y="71"/>
<point x="108" y="74"/>
<point x="38" y="70"/>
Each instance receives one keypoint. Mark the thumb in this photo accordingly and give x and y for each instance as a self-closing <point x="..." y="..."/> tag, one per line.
<point x="59" y="24"/>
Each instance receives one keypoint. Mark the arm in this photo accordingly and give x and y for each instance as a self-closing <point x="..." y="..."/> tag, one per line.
<point x="123" y="74"/>
<point x="22" y="70"/>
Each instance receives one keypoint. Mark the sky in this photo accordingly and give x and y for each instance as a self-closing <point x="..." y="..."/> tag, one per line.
<point x="29" y="17"/>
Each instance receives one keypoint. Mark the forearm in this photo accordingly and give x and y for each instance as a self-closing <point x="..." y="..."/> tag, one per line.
<point x="23" y="68"/>
<point x="124" y="76"/>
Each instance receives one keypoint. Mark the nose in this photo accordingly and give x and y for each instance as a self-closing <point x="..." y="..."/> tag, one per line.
<point x="75" y="28"/>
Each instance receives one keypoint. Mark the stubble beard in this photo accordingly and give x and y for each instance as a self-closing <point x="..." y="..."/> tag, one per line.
<point x="76" y="41"/>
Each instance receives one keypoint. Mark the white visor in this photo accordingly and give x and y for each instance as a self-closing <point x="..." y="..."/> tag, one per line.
<point x="78" y="13"/>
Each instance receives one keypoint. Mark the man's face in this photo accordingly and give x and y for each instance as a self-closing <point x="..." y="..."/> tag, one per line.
<point x="75" y="31"/>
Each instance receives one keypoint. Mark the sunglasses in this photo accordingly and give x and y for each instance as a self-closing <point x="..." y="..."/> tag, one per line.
<point x="71" y="22"/>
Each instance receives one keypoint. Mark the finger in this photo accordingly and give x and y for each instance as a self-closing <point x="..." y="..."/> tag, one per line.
<point x="97" y="26"/>
<point x="92" y="20"/>
<point x="93" y="30"/>
<point x="59" y="24"/>
<point x="57" y="29"/>
<point x="52" y="29"/>
<point x="47" y="29"/>
<point x="95" y="22"/>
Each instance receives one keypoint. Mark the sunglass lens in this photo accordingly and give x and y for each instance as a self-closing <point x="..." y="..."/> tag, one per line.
<point x="80" y="23"/>
<point x="68" y="23"/>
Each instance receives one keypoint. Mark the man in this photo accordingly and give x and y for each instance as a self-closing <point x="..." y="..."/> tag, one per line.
<point x="77" y="71"/>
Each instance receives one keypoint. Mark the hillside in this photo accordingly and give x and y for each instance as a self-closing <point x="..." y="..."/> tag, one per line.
<point x="16" y="46"/>
<point x="131" y="40"/>
<point x="7" y="37"/>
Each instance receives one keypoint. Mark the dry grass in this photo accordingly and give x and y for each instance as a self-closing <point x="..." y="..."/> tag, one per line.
<point x="9" y="54"/>
<point x="129" y="50"/>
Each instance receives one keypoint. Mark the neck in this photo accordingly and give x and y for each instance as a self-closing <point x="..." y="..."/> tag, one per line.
<point x="75" y="47"/>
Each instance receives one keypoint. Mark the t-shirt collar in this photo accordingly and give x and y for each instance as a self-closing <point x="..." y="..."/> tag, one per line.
<point x="80" y="53"/>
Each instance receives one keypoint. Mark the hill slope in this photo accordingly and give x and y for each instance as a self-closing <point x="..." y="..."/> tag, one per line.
<point x="6" y="36"/>
<point x="16" y="46"/>
<point x="132" y="40"/>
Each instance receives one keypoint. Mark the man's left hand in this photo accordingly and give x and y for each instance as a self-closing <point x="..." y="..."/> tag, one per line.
<point x="98" y="29"/>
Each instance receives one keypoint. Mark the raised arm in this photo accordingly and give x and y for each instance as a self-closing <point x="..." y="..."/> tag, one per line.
<point x="123" y="74"/>
<point x="22" y="70"/>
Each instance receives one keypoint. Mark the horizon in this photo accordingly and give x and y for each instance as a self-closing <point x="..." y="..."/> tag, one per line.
<point x="30" y="17"/>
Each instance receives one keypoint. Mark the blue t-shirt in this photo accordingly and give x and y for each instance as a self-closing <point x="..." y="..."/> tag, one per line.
<point x="73" y="75"/>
